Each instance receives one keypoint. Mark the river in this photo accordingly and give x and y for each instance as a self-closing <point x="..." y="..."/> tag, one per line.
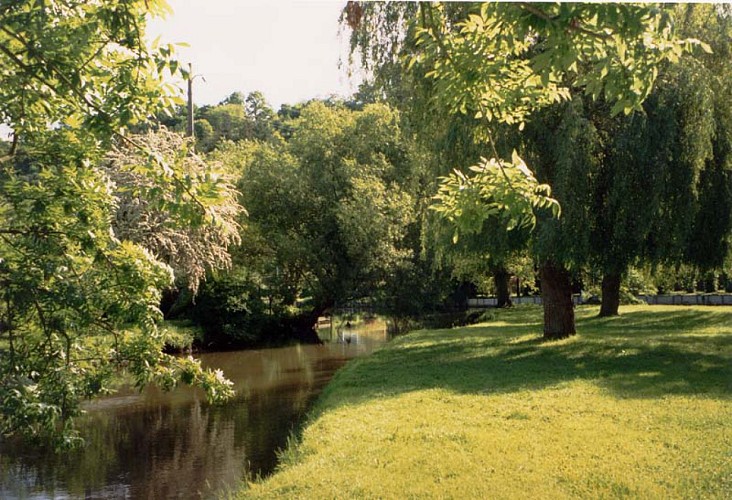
<point x="161" y="445"/>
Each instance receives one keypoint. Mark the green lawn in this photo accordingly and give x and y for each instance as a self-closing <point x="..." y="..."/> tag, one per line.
<point x="637" y="406"/>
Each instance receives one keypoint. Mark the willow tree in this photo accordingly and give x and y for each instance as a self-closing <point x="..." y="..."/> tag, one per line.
<point x="503" y="62"/>
<point x="708" y="231"/>
<point x="647" y="191"/>
<point x="78" y="302"/>
<point x="627" y="192"/>
<point x="662" y="195"/>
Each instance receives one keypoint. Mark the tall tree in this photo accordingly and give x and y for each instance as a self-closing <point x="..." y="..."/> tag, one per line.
<point x="663" y="192"/>
<point x="536" y="53"/>
<point x="710" y="239"/>
<point x="329" y="207"/>
<point x="78" y="302"/>
<point x="228" y="121"/>
<point x="261" y="114"/>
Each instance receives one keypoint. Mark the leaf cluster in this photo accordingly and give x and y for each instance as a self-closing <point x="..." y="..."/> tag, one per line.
<point x="82" y="63"/>
<point x="185" y="214"/>
<point x="505" y="191"/>
<point x="503" y="62"/>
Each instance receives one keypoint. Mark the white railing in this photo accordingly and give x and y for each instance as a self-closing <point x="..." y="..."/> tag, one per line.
<point x="714" y="299"/>
<point x="719" y="299"/>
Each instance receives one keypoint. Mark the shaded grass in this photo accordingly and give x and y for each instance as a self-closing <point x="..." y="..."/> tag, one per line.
<point x="635" y="406"/>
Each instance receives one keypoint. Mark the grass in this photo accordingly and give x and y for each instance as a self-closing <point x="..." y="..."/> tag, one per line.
<point x="635" y="406"/>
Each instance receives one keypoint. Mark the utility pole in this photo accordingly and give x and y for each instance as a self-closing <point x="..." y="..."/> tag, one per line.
<point x="189" y="127"/>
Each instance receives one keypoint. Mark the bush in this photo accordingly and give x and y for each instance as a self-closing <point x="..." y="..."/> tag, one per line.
<point x="233" y="313"/>
<point x="180" y="335"/>
<point x="638" y="282"/>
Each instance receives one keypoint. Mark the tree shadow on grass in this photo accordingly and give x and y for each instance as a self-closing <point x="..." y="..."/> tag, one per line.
<point x="666" y="324"/>
<point x="642" y="354"/>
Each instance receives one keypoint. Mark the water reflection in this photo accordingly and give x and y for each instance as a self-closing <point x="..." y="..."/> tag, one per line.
<point x="174" y="445"/>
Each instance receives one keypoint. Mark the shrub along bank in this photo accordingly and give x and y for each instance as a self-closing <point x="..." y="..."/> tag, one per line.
<point x="638" y="405"/>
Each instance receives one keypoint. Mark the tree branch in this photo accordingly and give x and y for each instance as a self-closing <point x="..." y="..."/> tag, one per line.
<point x="572" y="26"/>
<point x="435" y="35"/>
<point x="59" y="74"/>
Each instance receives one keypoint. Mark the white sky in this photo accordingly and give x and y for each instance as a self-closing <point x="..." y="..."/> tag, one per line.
<point x="287" y="49"/>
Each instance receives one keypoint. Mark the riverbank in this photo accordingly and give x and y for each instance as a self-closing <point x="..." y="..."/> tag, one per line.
<point x="639" y="405"/>
<point x="158" y="444"/>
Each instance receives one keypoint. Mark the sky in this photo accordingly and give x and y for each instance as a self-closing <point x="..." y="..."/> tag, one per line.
<point x="287" y="49"/>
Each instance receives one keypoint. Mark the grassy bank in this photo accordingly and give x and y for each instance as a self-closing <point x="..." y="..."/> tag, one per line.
<point x="635" y="406"/>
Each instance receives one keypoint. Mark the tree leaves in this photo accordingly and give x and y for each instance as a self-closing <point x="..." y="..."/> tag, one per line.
<point x="510" y="60"/>
<point x="507" y="191"/>
<point x="83" y="62"/>
<point x="78" y="300"/>
<point x="186" y="214"/>
<point x="330" y="207"/>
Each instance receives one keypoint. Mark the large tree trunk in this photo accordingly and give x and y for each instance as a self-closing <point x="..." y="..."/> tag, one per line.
<point x="501" y="277"/>
<point x="303" y="325"/>
<point x="610" y="294"/>
<point x="175" y="302"/>
<point x="556" y="294"/>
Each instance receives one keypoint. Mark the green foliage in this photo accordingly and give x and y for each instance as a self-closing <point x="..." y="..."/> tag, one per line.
<point x="535" y="52"/>
<point x="512" y="64"/>
<point x="710" y="246"/>
<point x="508" y="191"/>
<point x="261" y="113"/>
<point x="328" y="209"/>
<point x="505" y="63"/>
<point x="568" y="160"/>
<point x="78" y="301"/>
<point x="66" y="277"/>
<point x="236" y="118"/>
<point x="180" y="335"/>
<point x="234" y="310"/>
<point x="228" y="122"/>
<point x="204" y="134"/>
<point x="639" y="281"/>
<point x="185" y="214"/>
<point x="82" y="63"/>
<point x="70" y="289"/>
<point x="330" y="200"/>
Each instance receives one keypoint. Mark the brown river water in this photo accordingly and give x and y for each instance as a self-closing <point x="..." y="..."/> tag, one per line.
<point x="158" y="445"/>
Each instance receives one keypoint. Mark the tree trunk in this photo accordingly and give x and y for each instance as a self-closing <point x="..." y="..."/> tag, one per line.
<point x="610" y="295"/>
<point x="501" y="277"/>
<point x="303" y="325"/>
<point x="556" y="294"/>
<point x="175" y="302"/>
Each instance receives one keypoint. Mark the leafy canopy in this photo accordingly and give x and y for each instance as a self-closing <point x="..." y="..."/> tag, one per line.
<point x="505" y="60"/>
<point x="80" y="300"/>
<point x="83" y="63"/>
<point x="330" y="205"/>
<point x="502" y="62"/>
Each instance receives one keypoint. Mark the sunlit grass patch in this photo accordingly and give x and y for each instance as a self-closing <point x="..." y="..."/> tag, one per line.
<point x="634" y="406"/>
